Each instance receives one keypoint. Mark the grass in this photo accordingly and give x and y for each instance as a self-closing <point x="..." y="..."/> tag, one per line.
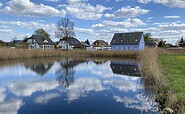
<point x="174" y="70"/>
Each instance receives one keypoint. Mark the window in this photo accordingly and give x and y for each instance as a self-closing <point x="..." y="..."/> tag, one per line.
<point x="135" y="46"/>
<point x="128" y="47"/>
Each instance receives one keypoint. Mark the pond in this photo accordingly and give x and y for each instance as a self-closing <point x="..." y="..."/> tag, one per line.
<point x="74" y="86"/>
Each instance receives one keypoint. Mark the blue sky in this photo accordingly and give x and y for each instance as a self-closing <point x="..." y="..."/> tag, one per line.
<point x="94" y="19"/>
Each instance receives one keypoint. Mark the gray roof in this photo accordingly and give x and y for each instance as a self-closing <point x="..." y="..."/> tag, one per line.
<point x="126" y="38"/>
<point x="17" y="41"/>
<point x="71" y="41"/>
<point x="42" y="40"/>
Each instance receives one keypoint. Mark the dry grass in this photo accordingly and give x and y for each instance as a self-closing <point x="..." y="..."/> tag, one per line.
<point x="7" y="53"/>
<point x="148" y="58"/>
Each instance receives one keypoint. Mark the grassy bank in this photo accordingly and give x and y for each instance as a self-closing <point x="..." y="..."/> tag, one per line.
<point x="174" y="71"/>
<point x="7" y="53"/>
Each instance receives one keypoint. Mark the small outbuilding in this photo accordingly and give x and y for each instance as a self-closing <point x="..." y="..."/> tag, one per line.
<point x="128" y="41"/>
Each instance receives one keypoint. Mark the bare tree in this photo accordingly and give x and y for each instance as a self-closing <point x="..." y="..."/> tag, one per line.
<point x="65" y="28"/>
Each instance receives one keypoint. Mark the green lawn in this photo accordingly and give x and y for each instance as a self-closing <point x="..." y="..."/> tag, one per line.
<point x="173" y="67"/>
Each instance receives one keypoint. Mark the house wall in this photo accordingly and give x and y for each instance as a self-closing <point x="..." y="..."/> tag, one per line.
<point x="64" y="45"/>
<point x="142" y="43"/>
<point x="125" y="47"/>
<point x="47" y="47"/>
<point x="32" y="44"/>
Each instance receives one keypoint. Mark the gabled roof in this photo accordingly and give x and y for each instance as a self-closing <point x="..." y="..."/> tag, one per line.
<point x="100" y="43"/>
<point x="126" y="38"/>
<point x="42" y="40"/>
<point x="71" y="41"/>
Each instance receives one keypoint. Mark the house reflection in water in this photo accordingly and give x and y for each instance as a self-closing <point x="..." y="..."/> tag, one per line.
<point x="126" y="68"/>
<point x="99" y="62"/>
<point x="65" y="75"/>
<point x="40" y="68"/>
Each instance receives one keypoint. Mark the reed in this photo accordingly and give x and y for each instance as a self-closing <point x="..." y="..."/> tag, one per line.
<point x="8" y="53"/>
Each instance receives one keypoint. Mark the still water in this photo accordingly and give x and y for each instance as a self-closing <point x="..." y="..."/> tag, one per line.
<point x="74" y="86"/>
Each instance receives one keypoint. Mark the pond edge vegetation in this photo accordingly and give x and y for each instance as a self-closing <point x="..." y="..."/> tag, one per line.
<point x="149" y="59"/>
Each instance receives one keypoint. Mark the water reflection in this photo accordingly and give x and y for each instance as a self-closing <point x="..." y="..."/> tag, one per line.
<point x="40" y="68"/>
<point x="65" y="75"/>
<point x="77" y="85"/>
<point x="126" y="68"/>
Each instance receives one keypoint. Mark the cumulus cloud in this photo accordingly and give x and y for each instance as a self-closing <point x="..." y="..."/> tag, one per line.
<point x="52" y="0"/>
<point x="30" y="9"/>
<point x="3" y="96"/>
<point x="1" y="5"/>
<point x="73" y="1"/>
<point x="82" y="86"/>
<point x="83" y="30"/>
<point x="126" y="12"/>
<point x="124" y="85"/>
<point x="86" y="11"/>
<point x="127" y="23"/>
<point x="29" y="25"/>
<point x="171" y="17"/>
<point x="44" y="99"/>
<point x="139" y="102"/>
<point x="119" y="0"/>
<point x="11" y="106"/>
<point x="28" y="87"/>
<point x="170" y="3"/>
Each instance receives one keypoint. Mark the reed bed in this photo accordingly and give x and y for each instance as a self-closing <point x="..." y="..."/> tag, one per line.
<point x="8" y="53"/>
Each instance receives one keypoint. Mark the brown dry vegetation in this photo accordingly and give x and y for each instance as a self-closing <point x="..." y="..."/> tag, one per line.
<point x="7" y="53"/>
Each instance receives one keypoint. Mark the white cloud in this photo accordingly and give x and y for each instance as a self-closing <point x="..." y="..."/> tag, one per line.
<point x="11" y="106"/>
<point x="124" y="85"/>
<point x="3" y="96"/>
<point x="139" y="102"/>
<point x="28" y="87"/>
<point x="1" y="5"/>
<point x="171" y="17"/>
<point x="52" y="0"/>
<point x="119" y="0"/>
<point x="170" y="3"/>
<point x="30" y="9"/>
<point x="73" y="1"/>
<point x="83" y="86"/>
<point x="127" y="23"/>
<point x="83" y="30"/>
<point x="86" y="11"/>
<point x="44" y="99"/>
<point x="126" y="12"/>
<point x="29" y="25"/>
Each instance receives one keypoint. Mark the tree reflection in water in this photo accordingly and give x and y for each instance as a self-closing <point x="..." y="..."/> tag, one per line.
<point x="65" y="75"/>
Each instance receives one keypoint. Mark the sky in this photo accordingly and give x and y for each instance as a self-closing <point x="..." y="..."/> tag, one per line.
<point x="94" y="19"/>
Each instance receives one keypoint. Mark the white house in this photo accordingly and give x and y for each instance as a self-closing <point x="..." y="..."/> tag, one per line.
<point x="68" y="43"/>
<point x="40" y="42"/>
<point x="128" y="41"/>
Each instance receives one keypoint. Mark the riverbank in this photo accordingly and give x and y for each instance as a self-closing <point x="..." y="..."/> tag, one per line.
<point x="174" y="71"/>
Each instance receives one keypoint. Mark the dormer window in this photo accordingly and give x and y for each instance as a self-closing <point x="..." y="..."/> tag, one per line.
<point x="136" y="40"/>
<point x="121" y="40"/>
<point x="45" y="41"/>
